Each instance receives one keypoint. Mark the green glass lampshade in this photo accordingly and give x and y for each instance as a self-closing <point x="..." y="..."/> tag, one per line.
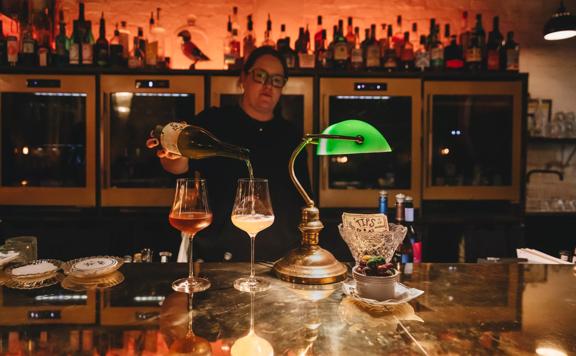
<point x="373" y="142"/>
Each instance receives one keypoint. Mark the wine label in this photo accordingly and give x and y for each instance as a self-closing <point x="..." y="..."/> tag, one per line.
<point x="12" y="50"/>
<point x="373" y="56"/>
<point x="74" y="53"/>
<point x="340" y="51"/>
<point x="512" y="59"/>
<point x="409" y="214"/>
<point x="169" y="136"/>
<point x="365" y="223"/>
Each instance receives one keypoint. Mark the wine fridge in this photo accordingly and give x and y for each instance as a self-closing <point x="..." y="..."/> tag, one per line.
<point x="55" y="306"/>
<point x="296" y="102"/>
<point x="48" y="140"/>
<point x="473" y="145"/>
<point x="393" y="106"/>
<point x="131" y="106"/>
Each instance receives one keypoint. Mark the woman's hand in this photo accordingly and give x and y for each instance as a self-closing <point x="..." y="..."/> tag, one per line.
<point x="171" y="162"/>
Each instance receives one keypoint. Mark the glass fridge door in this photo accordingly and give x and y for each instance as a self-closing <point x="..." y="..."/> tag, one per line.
<point x="393" y="107"/>
<point x="295" y="102"/>
<point x="473" y="147"/>
<point x="132" y="107"/>
<point x="47" y="128"/>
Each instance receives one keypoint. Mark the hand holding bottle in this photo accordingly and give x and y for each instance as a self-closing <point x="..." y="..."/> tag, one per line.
<point x="171" y="162"/>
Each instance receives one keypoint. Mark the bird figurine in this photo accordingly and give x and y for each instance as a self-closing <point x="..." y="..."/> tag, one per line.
<point x="190" y="50"/>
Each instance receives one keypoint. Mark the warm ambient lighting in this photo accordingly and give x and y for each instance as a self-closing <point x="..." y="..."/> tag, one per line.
<point x="550" y="351"/>
<point x="310" y="263"/>
<point x="561" y="25"/>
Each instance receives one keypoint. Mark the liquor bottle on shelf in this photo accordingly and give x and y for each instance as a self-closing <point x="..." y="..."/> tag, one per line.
<point x="101" y="47"/>
<point x="464" y="34"/>
<point x="249" y="40"/>
<point x="125" y="40"/>
<point x="475" y="46"/>
<point x="383" y="42"/>
<point x="116" y="49"/>
<point x="268" y="41"/>
<point x="372" y="59"/>
<point x="414" y="35"/>
<point x="158" y="34"/>
<point x="235" y="23"/>
<point x="330" y="49"/>
<point x="422" y="56"/>
<point x="283" y="46"/>
<point x="435" y="47"/>
<point x="350" y="35"/>
<point x="512" y="50"/>
<point x="390" y="60"/>
<point x="494" y="46"/>
<point x="3" y="47"/>
<point x="28" y="54"/>
<point x="87" y="50"/>
<point x="321" y="51"/>
<point x="12" y="50"/>
<point x="447" y="37"/>
<point x="305" y="58"/>
<point x="228" y="57"/>
<point x="356" y="59"/>
<point x="318" y="41"/>
<point x="398" y="39"/>
<point x="137" y="58"/>
<point x="300" y="45"/>
<point x="407" y="57"/>
<point x="80" y="35"/>
<point x="341" y="53"/>
<point x="152" y="43"/>
<point x="61" y="56"/>
<point x="453" y="55"/>
<point x="43" y="34"/>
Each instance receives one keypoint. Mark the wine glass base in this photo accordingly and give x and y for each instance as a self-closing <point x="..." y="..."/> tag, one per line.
<point x="251" y="285"/>
<point x="188" y="285"/>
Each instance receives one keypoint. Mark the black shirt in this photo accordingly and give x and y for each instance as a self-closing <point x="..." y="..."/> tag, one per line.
<point x="271" y="144"/>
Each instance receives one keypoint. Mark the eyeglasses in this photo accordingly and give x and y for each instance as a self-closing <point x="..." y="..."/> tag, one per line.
<point x="263" y="77"/>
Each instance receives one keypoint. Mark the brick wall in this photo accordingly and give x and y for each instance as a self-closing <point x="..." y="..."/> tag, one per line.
<point x="551" y="65"/>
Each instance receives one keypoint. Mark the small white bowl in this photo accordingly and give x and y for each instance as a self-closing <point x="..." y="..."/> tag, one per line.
<point x="375" y="287"/>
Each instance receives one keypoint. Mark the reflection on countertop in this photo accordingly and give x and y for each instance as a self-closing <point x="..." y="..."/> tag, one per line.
<point x="476" y="309"/>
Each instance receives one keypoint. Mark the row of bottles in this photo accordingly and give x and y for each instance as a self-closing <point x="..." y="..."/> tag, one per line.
<point x="410" y="250"/>
<point x="36" y="47"/>
<point x="392" y="51"/>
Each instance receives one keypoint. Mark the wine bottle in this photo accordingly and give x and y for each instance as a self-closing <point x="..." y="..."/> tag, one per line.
<point x="391" y="60"/>
<point x="249" y="40"/>
<point x="101" y="47"/>
<point x="61" y="57"/>
<point x="494" y="46"/>
<point x="268" y="41"/>
<point x="195" y="142"/>
<point x="512" y="50"/>
<point x="453" y="55"/>
<point x="399" y="220"/>
<point x="412" y="235"/>
<point x="319" y="42"/>
<point x="356" y="59"/>
<point x="341" y="54"/>
<point x="116" y="49"/>
<point x="372" y="50"/>
<point x="407" y="57"/>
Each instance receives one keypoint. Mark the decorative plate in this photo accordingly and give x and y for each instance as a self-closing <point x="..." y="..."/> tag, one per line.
<point x="90" y="267"/>
<point x="403" y="294"/>
<point x="83" y="284"/>
<point x="36" y="270"/>
<point x="18" y="283"/>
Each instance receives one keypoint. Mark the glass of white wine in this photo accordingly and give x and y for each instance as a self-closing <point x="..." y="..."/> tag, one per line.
<point x="252" y="213"/>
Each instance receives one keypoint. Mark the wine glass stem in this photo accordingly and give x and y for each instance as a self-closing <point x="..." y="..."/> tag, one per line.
<point x="190" y="257"/>
<point x="252" y="240"/>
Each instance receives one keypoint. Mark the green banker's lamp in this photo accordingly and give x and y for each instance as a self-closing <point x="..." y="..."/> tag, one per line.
<point x="310" y="263"/>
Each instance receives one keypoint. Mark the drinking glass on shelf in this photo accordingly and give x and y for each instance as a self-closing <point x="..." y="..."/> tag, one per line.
<point x="252" y="212"/>
<point x="189" y="214"/>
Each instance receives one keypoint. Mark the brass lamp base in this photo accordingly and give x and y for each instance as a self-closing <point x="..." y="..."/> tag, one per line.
<point x="310" y="264"/>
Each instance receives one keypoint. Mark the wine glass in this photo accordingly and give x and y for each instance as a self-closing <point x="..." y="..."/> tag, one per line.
<point x="252" y="213"/>
<point x="189" y="214"/>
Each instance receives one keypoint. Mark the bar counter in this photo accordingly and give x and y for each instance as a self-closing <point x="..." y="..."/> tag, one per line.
<point x="480" y="309"/>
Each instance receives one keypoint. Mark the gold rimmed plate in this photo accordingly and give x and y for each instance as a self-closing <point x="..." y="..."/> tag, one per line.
<point x="83" y="284"/>
<point x="37" y="270"/>
<point x="92" y="267"/>
<point x="18" y="283"/>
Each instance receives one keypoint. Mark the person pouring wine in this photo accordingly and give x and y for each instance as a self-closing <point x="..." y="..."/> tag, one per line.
<point x="256" y="124"/>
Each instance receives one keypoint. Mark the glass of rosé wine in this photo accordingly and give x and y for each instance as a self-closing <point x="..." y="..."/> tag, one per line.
<point x="190" y="213"/>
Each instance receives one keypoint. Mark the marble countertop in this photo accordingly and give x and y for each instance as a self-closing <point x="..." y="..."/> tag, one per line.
<point x="480" y="309"/>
